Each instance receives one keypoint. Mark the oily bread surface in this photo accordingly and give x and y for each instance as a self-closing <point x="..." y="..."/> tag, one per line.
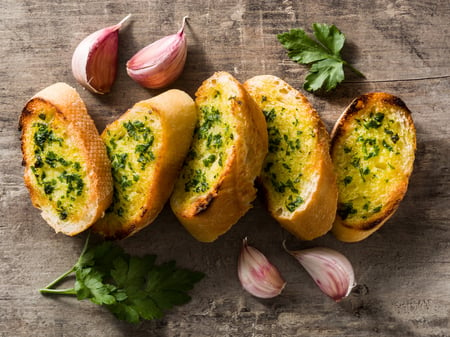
<point x="71" y="114"/>
<point x="175" y="113"/>
<point x="314" y="216"/>
<point x="212" y="213"/>
<point x="388" y="182"/>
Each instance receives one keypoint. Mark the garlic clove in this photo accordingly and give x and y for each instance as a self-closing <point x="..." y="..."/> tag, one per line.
<point x="331" y="270"/>
<point x="94" y="61"/>
<point x="160" y="63"/>
<point x="257" y="275"/>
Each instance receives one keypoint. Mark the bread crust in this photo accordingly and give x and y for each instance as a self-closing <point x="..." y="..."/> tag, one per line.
<point x="315" y="216"/>
<point x="224" y="204"/>
<point x="72" y="113"/>
<point x="176" y="112"/>
<point x="354" y="232"/>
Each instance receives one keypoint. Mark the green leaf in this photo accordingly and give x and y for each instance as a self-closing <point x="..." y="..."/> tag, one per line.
<point x="120" y="295"/>
<point x="138" y="269"/>
<point x="330" y="37"/>
<point x="89" y="285"/>
<point x="86" y="260"/>
<point x="131" y="272"/>
<point x="105" y="254"/>
<point x="301" y="48"/>
<point x="323" y="55"/>
<point x="147" y="308"/>
<point x="124" y="312"/>
<point x="324" y="74"/>
<point x="168" y="299"/>
<point x="120" y="272"/>
<point x="168" y="285"/>
<point x="180" y="279"/>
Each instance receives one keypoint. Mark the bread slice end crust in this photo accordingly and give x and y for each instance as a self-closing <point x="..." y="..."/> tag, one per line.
<point x="381" y="126"/>
<point x="77" y="163"/>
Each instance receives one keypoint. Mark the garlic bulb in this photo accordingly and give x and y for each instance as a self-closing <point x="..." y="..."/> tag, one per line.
<point x="257" y="275"/>
<point x="160" y="63"/>
<point x="94" y="62"/>
<point x="331" y="270"/>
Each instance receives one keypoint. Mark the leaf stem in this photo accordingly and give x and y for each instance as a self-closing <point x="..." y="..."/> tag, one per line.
<point x="85" y="247"/>
<point x="68" y="291"/>
<point x="356" y="71"/>
<point x="58" y="279"/>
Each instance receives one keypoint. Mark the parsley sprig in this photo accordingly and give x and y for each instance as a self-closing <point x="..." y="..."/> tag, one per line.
<point x="327" y="65"/>
<point x="132" y="288"/>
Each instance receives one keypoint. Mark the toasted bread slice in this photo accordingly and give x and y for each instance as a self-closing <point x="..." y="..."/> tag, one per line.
<point x="298" y="176"/>
<point x="373" y="149"/>
<point x="146" y="146"/>
<point x="216" y="185"/>
<point x="67" y="171"/>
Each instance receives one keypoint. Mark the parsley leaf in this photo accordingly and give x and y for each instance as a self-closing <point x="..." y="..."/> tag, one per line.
<point x="132" y="288"/>
<point x="327" y="65"/>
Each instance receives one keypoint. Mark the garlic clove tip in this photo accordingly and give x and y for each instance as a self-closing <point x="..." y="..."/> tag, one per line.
<point x="331" y="271"/>
<point x="257" y="275"/>
<point x="160" y="63"/>
<point x="94" y="61"/>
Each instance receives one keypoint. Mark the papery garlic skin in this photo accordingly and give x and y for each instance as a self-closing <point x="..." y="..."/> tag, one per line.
<point x="160" y="63"/>
<point x="330" y="270"/>
<point x="257" y="275"/>
<point x="94" y="61"/>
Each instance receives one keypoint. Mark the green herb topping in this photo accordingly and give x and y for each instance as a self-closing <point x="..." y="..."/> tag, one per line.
<point x="289" y="135"/>
<point x="59" y="177"/>
<point x="375" y="121"/>
<point x="368" y="158"/>
<point x="293" y="203"/>
<point x="44" y="135"/>
<point x="210" y="117"/>
<point x="347" y="180"/>
<point x="345" y="210"/>
<point x="131" y="150"/>
<point x="197" y="182"/>
<point x="212" y="137"/>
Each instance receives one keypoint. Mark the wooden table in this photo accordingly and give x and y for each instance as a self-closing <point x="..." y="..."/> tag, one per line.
<point x="403" y="270"/>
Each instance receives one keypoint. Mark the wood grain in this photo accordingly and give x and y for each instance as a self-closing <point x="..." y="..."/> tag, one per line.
<point x="402" y="270"/>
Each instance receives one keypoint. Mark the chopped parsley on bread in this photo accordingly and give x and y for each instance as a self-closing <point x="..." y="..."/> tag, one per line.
<point x="216" y="185"/>
<point x="298" y="179"/>
<point x="67" y="171"/>
<point x="373" y="149"/>
<point x="147" y="146"/>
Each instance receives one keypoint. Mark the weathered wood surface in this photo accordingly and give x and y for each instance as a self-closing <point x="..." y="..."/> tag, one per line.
<point x="403" y="270"/>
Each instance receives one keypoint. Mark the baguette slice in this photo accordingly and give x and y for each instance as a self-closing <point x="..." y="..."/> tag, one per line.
<point x="216" y="185"/>
<point x="373" y="148"/>
<point x="298" y="176"/>
<point x="67" y="171"/>
<point x="146" y="146"/>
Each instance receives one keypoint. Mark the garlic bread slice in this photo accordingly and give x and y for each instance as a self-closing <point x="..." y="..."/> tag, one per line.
<point x="297" y="176"/>
<point x="373" y="149"/>
<point x="216" y="185"/>
<point x="67" y="171"/>
<point x="146" y="146"/>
